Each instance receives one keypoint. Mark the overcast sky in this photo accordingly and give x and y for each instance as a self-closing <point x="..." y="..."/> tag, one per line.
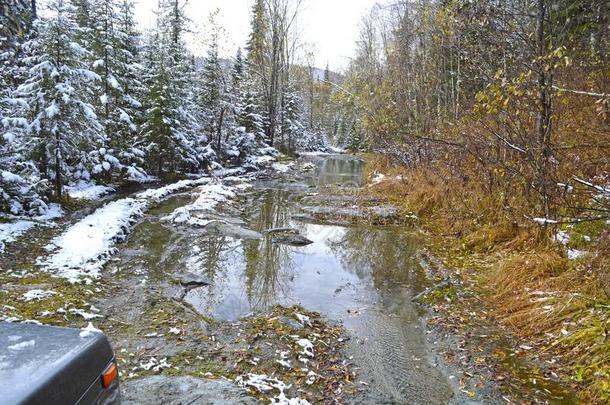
<point x="328" y="27"/>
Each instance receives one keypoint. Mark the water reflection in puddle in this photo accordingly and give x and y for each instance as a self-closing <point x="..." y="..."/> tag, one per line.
<point x="342" y="170"/>
<point x="344" y="269"/>
<point x="363" y="276"/>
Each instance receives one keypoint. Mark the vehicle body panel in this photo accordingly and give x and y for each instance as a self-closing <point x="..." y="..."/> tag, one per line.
<point x="52" y="365"/>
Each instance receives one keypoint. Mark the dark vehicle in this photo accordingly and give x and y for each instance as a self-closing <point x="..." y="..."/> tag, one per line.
<point x="49" y="365"/>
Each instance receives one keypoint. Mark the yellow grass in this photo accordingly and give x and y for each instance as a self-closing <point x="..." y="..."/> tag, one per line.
<point x="532" y="288"/>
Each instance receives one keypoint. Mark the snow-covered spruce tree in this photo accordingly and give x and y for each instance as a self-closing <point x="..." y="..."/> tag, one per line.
<point x="214" y="100"/>
<point x="114" y="59"/>
<point x="62" y="126"/>
<point x="241" y="138"/>
<point x="292" y="127"/>
<point x="20" y="185"/>
<point x="170" y="126"/>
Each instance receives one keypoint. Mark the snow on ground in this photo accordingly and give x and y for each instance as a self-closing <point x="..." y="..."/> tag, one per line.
<point x="264" y="384"/>
<point x="37" y="295"/>
<point x="209" y="197"/>
<point x="182" y="185"/>
<point x="564" y="238"/>
<point x="281" y="167"/>
<point x="380" y="178"/>
<point x="316" y="153"/>
<point x="232" y="171"/>
<point x="11" y="231"/>
<point x="331" y="150"/>
<point x="260" y="161"/>
<point x="84" y="190"/>
<point x="85" y="247"/>
<point x="307" y="346"/>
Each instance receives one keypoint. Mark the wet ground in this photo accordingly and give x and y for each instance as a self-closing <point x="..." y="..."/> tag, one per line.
<point x="355" y="281"/>
<point x="362" y="276"/>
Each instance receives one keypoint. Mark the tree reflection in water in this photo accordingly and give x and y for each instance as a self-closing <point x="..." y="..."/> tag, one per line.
<point x="386" y="256"/>
<point x="269" y="266"/>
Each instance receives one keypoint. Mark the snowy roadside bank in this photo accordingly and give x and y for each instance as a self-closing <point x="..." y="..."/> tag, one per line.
<point x="18" y="226"/>
<point x="80" y="253"/>
<point x="11" y="231"/>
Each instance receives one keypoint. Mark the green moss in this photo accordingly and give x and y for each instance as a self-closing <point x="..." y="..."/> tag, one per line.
<point x="442" y="295"/>
<point x="194" y="364"/>
<point x="67" y="296"/>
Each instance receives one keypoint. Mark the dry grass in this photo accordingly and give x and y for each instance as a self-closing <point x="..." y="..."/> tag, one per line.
<point x="533" y="289"/>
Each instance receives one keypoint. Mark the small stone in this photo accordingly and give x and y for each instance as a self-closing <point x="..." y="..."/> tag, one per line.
<point x="291" y="323"/>
<point x="291" y="239"/>
<point x="191" y="280"/>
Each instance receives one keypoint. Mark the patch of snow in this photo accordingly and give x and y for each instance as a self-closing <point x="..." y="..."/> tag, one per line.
<point x="84" y="314"/>
<point x="37" y="295"/>
<point x="232" y="171"/>
<point x="155" y="365"/>
<point x="84" y="190"/>
<point x="54" y="211"/>
<point x="261" y="160"/>
<point x="175" y="331"/>
<point x="281" y="167"/>
<point x="83" y="249"/>
<point x="304" y="319"/>
<point x="284" y="363"/>
<point x="307" y="346"/>
<point x="562" y="237"/>
<point x="575" y="254"/>
<point x="11" y="231"/>
<point x="545" y="221"/>
<point x="86" y="246"/>
<point x="264" y="384"/>
<point x="314" y="153"/>
<point x="209" y="197"/>
<point x="379" y="177"/>
<point x="89" y="330"/>
<point x="311" y="377"/>
<point x="22" y="345"/>
<point x="159" y="193"/>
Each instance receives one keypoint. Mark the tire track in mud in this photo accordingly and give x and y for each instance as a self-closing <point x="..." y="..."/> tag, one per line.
<point x="395" y="364"/>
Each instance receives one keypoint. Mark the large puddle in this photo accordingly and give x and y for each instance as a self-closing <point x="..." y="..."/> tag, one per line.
<point x="363" y="276"/>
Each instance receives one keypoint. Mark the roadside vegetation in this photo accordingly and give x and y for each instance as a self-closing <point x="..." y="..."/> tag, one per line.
<point x="489" y="122"/>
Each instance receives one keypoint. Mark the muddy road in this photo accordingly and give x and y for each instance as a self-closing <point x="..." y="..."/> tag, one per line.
<point x="286" y="288"/>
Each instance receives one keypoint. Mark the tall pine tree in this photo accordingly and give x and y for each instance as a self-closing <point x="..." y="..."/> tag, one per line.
<point x="62" y="126"/>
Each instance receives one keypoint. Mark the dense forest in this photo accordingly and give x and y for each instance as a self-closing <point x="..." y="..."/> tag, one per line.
<point x="86" y="97"/>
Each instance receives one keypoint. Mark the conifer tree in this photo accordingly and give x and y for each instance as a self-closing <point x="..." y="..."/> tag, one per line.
<point x="170" y="127"/>
<point x="117" y="94"/>
<point x="20" y="184"/>
<point x="61" y="123"/>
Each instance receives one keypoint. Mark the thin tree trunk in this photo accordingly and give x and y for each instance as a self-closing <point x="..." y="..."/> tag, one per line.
<point x="544" y="109"/>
